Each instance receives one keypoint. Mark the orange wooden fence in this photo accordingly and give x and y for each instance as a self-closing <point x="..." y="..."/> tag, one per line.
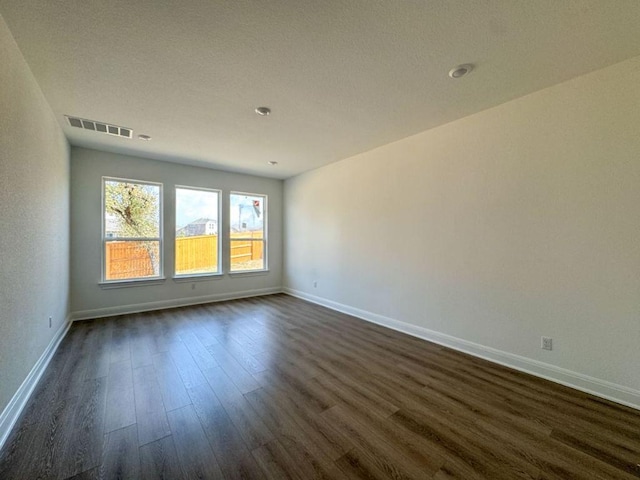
<point x="196" y="254"/>
<point x="130" y="259"/>
<point x="193" y="255"/>
<point x="245" y="250"/>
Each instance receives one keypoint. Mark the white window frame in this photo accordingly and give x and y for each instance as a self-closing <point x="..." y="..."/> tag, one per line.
<point x="218" y="272"/>
<point x="264" y="240"/>
<point x="160" y="240"/>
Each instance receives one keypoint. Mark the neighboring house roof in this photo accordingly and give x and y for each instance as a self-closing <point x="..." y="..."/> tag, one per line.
<point x="198" y="226"/>
<point x="200" y="221"/>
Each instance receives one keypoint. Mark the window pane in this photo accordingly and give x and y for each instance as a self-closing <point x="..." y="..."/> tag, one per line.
<point x="247" y="213"/>
<point x="247" y="220"/>
<point x="131" y="210"/>
<point x="196" y="231"/>
<point x="246" y="255"/>
<point x="127" y="259"/>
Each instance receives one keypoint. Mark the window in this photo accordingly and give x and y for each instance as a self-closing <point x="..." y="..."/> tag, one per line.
<point x="247" y="239"/>
<point x="131" y="230"/>
<point x="197" y="239"/>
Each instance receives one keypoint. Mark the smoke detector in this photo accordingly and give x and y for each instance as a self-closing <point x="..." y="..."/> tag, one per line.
<point x="100" y="127"/>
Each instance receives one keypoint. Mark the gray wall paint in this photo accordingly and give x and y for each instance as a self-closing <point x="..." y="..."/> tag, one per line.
<point x="517" y="222"/>
<point x="34" y="220"/>
<point x="87" y="169"/>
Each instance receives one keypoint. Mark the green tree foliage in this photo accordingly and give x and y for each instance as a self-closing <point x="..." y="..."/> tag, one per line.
<point x="135" y="208"/>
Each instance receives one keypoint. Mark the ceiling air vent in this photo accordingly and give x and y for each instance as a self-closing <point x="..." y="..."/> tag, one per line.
<point x="101" y="127"/>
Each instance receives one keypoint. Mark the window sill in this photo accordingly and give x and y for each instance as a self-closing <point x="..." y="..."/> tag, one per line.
<point x="249" y="273"/>
<point x="203" y="277"/>
<point x="142" y="282"/>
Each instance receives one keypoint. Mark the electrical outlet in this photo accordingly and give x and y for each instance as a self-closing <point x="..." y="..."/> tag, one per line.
<point x="49" y="322"/>
<point x="193" y="286"/>
<point x="546" y="343"/>
<point x="315" y="284"/>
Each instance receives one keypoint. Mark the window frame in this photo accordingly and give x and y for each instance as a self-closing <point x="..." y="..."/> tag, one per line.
<point x="219" y="272"/>
<point x="264" y="239"/>
<point x="105" y="239"/>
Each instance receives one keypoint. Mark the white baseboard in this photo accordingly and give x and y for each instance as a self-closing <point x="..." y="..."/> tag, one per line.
<point x="600" y="388"/>
<point x="177" y="302"/>
<point x="13" y="410"/>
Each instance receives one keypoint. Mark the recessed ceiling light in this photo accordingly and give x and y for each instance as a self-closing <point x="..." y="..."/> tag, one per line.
<point x="461" y="70"/>
<point x="272" y="163"/>
<point x="263" y="111"/>
<point x="146" y="138"/>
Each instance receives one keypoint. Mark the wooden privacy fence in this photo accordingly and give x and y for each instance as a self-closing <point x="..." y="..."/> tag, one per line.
<point x="193" y="255"/>
<point x="130" y="259"/>
<point x="243" y="251"/>
<point x="196" y="254"/>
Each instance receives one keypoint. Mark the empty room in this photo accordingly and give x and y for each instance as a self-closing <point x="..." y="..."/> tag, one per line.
<point x="342" y="239"/>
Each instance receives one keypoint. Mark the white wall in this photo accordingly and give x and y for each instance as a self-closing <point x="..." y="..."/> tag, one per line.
<point x="34" y="222"/>
<point x="89" y="299"/>
<point x="491" y="231"/>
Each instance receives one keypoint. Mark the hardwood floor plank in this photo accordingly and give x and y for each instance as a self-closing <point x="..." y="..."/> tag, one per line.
<point x="356" y="396"/>
<point x="276" y="463"/>
<point x="187" y="368"/>
<point x="82" y="430"/>
<point x="275" y="387"/>
<point x="121" y="458"/>
<point x="98" y="343"/>
<point x="194" y="453"/>
<point x="204" y="336"/>
<point x="44" y="395"/>
<point x="148" y="396"/>
<point x="39" y="446"/>
<point x="248" y="361"/>
<point x="281" y="416"/>
<point x="359" y="464"/>
<point x="221" y="384"/>
<point x="152" y="426"/>
<point x="92" y="474"/>
<point x="120" y="351"/>
<point x="121" y="410"/>
<point x="140" y="343"/>
<point x="71" y="378"/>
<point x="553" y="458"/>
<point x="236" y="372"/>
<point x="228" y="445"/>
<point x="387" y="456"/>
<point x="174" y="394"/>
<point x="151" y="417"/>
<point x="198" y="349"/>
<point x="159" y="340"/>
<point x="411" y="445"/>
<point x="159" y="460"/>
<point x="304" y="458"/>
<point x="615" y="450"/>
<point x="248" y="422"/>
<point x="463" y="453"/>
<point x="301" y="389"/>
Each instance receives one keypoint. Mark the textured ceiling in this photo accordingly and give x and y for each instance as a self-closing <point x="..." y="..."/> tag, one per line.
<point x="341" y="77"/>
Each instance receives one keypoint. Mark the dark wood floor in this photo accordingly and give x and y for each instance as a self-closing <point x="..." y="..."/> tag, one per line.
<point x="275" y="387"/>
